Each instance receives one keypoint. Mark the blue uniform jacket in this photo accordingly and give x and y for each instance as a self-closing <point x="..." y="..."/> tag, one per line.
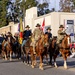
<point x="26" y="34"/>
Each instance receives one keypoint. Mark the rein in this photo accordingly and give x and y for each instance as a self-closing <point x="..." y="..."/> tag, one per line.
<point x="64" y="48"/>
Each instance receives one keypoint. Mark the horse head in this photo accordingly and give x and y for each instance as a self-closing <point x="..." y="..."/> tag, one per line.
<point x="11" y="39"/>
<point x="44" y="39"/>
<point x="66" y="41"/>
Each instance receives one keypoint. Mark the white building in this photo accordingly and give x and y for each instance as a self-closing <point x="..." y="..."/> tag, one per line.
<point x="53" y="20"/>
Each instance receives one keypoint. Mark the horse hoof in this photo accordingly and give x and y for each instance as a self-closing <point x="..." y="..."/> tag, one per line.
<point x="6" y="59"/>
<point x="28" y="65"/>
<point x="65" y="67"/>
<point x="32" y="66"/>
<point x="56" y="66"/>
<point x="25" y="63"/>
<point x="41" y="68"/>
<point x="10" y="59"/>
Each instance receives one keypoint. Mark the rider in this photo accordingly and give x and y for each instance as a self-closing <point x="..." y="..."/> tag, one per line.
<point x="49" y="33"/>
<point x="6" y="39"/>
<point x="61" y="34"/>
<point x="16" y="36"/>
<point x="36" y="35"/>
<point x="26" y="35"/>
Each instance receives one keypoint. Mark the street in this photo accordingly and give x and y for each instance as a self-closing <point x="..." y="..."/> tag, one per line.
<point x="16" y="67"/>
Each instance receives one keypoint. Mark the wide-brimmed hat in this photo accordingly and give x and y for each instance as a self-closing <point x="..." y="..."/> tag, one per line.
<point x="54" y="37"/>
<point x="38" y="25"/>
<point x="27" y="26"/>
<point x="9" y="33"/>
<point x="61" y="26"/>
<point x="49" y="28"/>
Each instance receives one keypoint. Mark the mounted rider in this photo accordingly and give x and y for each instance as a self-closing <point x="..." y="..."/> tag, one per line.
<point x="26" y="35"/>
<point x="36" y="36"/>
<point x="49" y="34"/>
<point x="61" y="34"/>
<point x="16" y="37"/>
<point x="6" y="37"/>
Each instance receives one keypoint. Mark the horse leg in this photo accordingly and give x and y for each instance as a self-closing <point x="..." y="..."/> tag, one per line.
<point x="55" y="64"/>
<point x="22" y="54"/>
<point x="32" y="59"/>
<point x="10" y="55"/>
<point x="41" y="63"/>
<point x="46" y="58"/>
<point x="28" y="59"/>
<point x="50" y="58"/>
<point x="5" y="54"/>
<point x="65" y="61"/>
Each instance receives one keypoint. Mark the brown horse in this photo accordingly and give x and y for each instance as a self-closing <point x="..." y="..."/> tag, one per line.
<point x="8" y="49"/>
<point x="64" y="49"/>
<point x="41" y="50"/>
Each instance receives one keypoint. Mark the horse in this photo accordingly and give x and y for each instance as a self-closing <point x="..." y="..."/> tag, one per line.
<point x="41" y="51"/>
<point x="17" y="49"/>
<point x="26" y="51"/>
<point x="64" y="49"/>
<point x="53" y="51"/>
<point x="8" y="50"/>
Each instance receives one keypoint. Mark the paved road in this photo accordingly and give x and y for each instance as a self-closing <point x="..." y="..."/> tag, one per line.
<point x="16" y="67"/>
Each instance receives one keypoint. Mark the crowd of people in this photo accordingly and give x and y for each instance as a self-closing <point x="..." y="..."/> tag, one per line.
<point x="27" y="34"/>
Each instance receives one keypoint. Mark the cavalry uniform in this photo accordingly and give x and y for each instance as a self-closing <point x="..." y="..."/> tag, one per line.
<point x="61" y="34"/>
<point x="36" y="36"/>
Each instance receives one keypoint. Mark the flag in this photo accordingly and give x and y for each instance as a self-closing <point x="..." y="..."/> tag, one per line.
<point x="21" y="31"/>
<point x="21" y="25"/>
<point x="43" y="24"/>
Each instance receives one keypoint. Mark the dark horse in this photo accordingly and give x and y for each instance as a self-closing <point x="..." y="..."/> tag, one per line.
<point x="17" y="49"/>
<point x="26" y="51"/>
<point x="63" y="49"/>
<point x="8" y="50"/>
<point x="53" y="51"/>
<point x="41" y="51"/>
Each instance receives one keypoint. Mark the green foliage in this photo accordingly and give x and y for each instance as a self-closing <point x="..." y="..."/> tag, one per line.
<point x="74" y="2"/>
<point x="22" y="5"/>
<point x="3" y="12"/>
<point x="43" y="9"/>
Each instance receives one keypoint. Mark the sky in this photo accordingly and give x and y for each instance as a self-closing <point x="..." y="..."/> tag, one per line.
<point x="52" y="3"/>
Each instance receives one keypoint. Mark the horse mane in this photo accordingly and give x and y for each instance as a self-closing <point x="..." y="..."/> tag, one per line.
<point x="64" y="43"/>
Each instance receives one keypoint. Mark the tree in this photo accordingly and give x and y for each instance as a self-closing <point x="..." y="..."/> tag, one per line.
<point x="66" y="5"/>
<point x="43" y="8"/>
<point x="3" y="12"/>
<point x="18" y="9"/>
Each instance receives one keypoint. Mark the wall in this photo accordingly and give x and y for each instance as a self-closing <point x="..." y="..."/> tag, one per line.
<point x="54" y="19"/>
